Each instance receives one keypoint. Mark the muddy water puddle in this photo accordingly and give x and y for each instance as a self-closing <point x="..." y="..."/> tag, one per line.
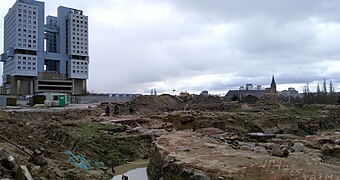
<point x="134" y="170"/>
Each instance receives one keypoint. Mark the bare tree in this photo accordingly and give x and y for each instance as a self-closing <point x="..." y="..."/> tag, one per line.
<point x="331" y="86"/>
<point x="324" y="92"/>
<point x="332" y="94"/>
<point x="307" y="95"/>
<point x="318" y="94"/>
<point x="324" y="87"/>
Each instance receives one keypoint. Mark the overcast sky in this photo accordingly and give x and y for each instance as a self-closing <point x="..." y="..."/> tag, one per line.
<point x="215" y="45"/>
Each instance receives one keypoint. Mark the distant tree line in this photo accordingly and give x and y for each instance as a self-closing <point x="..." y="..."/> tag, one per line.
<point x="323" y="95"/>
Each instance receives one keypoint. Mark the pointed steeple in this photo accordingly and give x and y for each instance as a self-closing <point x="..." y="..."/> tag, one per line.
<point x="273" y="85"/>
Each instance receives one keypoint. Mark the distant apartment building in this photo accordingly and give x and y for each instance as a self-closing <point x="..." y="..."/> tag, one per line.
<point x="289" y="94"/>
<point x="44" y="57"/>
<point x="250" y="87"/>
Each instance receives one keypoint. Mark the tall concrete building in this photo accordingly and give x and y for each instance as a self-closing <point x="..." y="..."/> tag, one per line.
<point x="44" y="57"/>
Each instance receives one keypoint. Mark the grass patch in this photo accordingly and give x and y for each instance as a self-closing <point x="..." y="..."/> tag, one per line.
<point x="109" y="143"/>
<point x="306" y="111"/>
<point x="94" y="129"/>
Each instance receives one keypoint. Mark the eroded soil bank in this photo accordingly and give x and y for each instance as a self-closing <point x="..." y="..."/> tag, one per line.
<point x="291" y="142"/>
<point x="83" y="132"/>
<point x="193" y="155"/>
<point x="200" y="138"/>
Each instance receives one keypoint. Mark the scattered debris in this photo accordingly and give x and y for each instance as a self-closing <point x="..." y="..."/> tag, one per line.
<point x="261" y="137"/>
<point x="211" y="138"/>
<point x="78" y="160"/>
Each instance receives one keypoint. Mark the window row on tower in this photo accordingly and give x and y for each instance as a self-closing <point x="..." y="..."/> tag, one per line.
<point x="79" y="21"/>
<point x="26" y="62"/>
<point x="79" y="67"/>
<point x="27" y="7"/>
<point x="26" y="11"/>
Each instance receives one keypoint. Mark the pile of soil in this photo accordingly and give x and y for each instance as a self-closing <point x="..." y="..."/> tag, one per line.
<point x="168" y="103"/>
<point x="211" y="103"/>
<point x="162" y="103"/>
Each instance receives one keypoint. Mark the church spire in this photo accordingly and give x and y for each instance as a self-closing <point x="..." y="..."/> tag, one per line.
<point x="273" y="85"/>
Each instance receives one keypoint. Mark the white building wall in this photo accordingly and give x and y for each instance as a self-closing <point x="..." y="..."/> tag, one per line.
<point x="78" y="34"/>
<point x="10" y="29"/>
<point x="74" y="41"/>
<point x="9" y="66"/>
<point x="26" y="65"/>
<point x="21" y="65"/>
<point x="20" y="34"/>
<point x="27" y="32"/>
<point x="78" y="44"/>
<point x="78" y="69"/>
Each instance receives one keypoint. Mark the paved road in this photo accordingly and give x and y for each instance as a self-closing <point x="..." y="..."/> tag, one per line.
<point x="34" y="109"/>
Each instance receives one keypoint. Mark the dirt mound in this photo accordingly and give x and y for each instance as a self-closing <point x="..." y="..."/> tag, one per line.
<point x="156" y="103"/>
<point x="206" y="103"/>
<point x="168" y="103"/>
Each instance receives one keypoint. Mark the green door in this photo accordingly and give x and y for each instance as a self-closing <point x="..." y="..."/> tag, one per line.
<point x="62" y="100"/>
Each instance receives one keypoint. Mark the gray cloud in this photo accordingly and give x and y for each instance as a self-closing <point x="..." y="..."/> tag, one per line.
<point x="215" y="45"/>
